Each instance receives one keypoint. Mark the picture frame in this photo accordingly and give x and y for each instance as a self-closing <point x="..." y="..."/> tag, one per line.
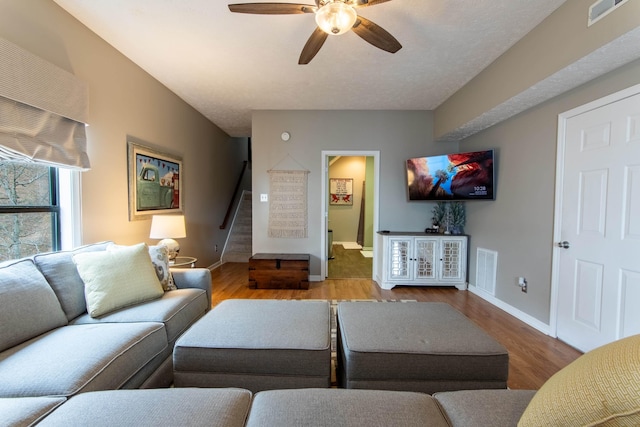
<point x="155" y="182"/>
<point x="341" y="191"/>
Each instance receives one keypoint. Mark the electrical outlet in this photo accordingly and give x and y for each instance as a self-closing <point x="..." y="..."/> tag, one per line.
<point x="522" y="282"/>
<point x="264" y="198"/>
<point x="215" y="248"/>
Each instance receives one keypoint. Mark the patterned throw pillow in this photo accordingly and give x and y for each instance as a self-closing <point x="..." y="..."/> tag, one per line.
<point x="599" y="388"/>
<point x="160" y="259"/>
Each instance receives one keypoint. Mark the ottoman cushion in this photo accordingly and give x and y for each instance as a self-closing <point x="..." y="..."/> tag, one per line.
<point x="154" y="407"/>
<point x="416" y="346"/>
<point x="257" y="344"/>
<point x="336" y="407"/>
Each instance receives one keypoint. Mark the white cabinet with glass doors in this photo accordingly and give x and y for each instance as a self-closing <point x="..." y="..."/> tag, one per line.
<point x="420" y="259"/>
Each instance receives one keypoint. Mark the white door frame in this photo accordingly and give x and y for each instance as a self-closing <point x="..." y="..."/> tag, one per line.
<point x="325" y="199"/>
<point x="557" y="222"/>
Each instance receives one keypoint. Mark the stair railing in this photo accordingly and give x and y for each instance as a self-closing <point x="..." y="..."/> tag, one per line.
<point x="234" y="196"/>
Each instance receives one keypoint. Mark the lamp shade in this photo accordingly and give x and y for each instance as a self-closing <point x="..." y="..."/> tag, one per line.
<point x="167" y="226"/>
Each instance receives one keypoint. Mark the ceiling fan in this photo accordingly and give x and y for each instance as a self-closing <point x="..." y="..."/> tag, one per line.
<point x="334" y="17"/>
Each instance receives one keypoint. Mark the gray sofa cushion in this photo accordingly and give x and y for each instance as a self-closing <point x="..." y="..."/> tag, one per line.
<point x="28" y="306"/>
<point x="481" y="408"/>
<point x="193" y="278"/>
<point x="26" y="411"/>
<point x="176" y="309"/>
<point x="80" y="358"/>
<point x="338" y="407"/>
<point x="62" y="275"/>
<point x="159" y="407"/>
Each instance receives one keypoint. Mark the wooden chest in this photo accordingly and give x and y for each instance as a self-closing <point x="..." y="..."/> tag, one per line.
<point x="279" y="271"/>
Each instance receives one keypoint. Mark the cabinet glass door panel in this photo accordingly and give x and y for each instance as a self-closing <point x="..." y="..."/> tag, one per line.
<point x="425" y="258"/>
<point x="399" y="258"/>
<point x="451" y="259"/>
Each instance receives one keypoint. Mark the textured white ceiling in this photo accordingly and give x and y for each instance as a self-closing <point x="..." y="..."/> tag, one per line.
<point x="226" y="64"/>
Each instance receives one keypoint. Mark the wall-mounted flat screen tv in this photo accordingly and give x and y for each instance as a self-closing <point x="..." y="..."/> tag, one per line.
<point x="459" y="176"/>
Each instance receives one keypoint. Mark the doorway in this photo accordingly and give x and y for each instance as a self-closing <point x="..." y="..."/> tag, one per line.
<point x="350" y="206"/>
<point x="596" y="278"/>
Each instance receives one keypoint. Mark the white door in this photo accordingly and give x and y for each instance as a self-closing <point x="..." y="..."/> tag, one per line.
<point x="598" y="242"/>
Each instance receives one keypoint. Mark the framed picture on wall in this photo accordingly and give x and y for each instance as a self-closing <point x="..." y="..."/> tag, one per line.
<point x="341" y="191"/>
<point x="155" y="184"/>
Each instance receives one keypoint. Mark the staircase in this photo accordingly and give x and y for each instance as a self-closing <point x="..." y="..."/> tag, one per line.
<point x="238" y="247"/>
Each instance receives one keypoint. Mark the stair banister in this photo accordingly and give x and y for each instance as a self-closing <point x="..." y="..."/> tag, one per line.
<point x="234" y="196"/>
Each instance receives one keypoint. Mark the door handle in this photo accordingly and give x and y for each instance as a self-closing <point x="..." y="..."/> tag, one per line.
<point x="564" y="244"/>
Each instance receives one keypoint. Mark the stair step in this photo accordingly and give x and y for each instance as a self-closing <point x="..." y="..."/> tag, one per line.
<point x="240" y="238"/>
<point x="237" y="257"/>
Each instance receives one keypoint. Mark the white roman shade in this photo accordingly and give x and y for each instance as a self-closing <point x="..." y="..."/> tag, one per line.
<point x="43" y="111"/>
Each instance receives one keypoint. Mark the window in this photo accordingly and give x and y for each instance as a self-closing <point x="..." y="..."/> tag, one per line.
<point x="29" y="209"/>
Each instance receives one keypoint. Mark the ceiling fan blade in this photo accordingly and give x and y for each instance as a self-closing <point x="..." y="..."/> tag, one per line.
<point x="313" y="45"/>
<point x="376" y="35"/>
<point x="363" y="3"/>
<point x="272" y="8"/>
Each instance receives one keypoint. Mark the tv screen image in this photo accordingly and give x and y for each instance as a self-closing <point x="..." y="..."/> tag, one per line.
<point x="459" y="176"/>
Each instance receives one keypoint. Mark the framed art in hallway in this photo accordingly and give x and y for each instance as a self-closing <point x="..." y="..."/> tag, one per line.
<point x="155" y="184"/>
<point x="341" y="191"/>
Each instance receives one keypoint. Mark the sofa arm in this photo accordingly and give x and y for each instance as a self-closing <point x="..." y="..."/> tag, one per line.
<point x="193" y="278"/>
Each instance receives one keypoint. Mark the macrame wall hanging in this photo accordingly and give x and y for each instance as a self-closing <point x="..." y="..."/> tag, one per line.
<point x="288" y="204"/>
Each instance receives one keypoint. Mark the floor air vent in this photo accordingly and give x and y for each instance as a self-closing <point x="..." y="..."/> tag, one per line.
<point x="486" y="268"/>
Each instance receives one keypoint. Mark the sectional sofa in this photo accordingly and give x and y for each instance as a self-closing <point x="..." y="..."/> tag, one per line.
<point x="50" y="345"/>
<point x="73" y="354"/>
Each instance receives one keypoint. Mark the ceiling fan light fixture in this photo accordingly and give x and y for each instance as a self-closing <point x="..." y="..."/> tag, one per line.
<point x="336" y="18"/>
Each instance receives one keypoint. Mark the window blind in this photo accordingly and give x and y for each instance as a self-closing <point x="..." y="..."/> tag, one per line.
<point x="43" y="111"/>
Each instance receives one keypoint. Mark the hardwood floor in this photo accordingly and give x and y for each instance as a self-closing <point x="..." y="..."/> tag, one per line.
<point x="533" y="356"/>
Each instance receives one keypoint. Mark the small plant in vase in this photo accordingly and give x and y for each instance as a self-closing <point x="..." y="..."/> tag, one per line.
<point x="458" y="217"/>
<point x="439" y="214"/>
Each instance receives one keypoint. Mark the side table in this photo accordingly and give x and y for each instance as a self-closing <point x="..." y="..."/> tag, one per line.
<point x="183" y="261"/>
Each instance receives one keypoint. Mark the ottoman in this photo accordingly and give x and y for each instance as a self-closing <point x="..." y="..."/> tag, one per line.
<point x="154" y="407"/>
<point x="415" y="346"/>
<point x="257" y="345"/>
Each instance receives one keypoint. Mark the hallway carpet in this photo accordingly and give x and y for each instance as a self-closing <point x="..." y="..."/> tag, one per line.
<point x="349" y="264"/>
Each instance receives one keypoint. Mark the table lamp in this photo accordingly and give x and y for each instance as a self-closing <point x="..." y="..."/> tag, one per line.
<point x="168" y="228"/>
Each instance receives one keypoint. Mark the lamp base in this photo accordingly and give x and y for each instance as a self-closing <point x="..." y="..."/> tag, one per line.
<point x="172" y="247"/>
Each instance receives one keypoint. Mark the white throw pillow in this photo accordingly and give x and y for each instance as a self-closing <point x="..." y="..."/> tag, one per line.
<point x="160" y="258"/>
<point x="118" y="278"/>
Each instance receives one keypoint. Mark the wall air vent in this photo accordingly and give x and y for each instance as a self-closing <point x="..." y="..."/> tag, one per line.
<point x="486" y="270"/>
<point x="602" y="8"/>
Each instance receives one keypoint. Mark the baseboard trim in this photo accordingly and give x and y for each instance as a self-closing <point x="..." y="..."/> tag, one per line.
<point x="518" y="314"/>
<point x="215" y="265"/>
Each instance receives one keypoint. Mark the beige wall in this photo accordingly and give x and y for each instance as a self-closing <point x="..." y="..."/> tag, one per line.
<point x="125" y="101"/>
<point x="397" y="135"/>
<point x="559" y="41"/>
<point x="519" y="223"/>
